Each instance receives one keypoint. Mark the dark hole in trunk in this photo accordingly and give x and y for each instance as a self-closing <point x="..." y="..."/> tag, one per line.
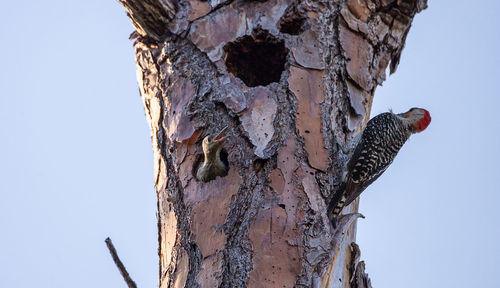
<point x="258" y="59"/>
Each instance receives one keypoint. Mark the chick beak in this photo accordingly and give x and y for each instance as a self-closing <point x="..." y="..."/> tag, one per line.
<point x="220" y="138"/>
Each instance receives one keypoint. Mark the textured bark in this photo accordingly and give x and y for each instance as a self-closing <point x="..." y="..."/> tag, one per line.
<point x="294" y="82"/>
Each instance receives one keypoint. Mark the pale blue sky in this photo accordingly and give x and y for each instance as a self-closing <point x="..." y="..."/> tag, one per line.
<point x="76" y="159"/>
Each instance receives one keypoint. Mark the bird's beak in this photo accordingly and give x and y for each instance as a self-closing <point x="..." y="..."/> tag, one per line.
<point x="220" y="138"/>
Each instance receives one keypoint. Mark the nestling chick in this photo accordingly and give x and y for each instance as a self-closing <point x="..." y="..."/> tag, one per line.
<point x="212" y="165"/>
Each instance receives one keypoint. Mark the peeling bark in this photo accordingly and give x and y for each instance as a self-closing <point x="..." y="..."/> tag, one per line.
<point x="204" y="65"/>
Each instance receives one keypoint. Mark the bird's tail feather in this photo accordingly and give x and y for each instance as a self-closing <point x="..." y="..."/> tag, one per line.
<point x="336" y="204"/>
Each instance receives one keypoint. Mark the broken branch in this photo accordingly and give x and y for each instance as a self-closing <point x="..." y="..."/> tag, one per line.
<point x="119" y="264"/>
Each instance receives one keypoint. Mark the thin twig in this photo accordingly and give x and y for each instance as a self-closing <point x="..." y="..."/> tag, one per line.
<point x="119" y="264"/>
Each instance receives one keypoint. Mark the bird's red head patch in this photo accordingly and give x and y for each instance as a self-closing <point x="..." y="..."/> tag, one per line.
<point x="417" y="118"/>
<point x="421" y="124"/>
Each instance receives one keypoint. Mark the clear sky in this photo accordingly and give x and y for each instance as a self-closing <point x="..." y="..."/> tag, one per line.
<point x="76" y="160"/>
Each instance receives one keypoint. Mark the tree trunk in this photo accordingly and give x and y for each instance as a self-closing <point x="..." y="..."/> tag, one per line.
<point x="294" y="82"/>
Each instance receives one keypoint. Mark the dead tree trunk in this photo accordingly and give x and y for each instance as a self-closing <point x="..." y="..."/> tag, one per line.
<point x="293" y="81"/>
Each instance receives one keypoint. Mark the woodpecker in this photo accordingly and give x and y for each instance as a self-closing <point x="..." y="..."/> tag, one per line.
<point x="378" y="145"/>
<point x="212" y="165"/>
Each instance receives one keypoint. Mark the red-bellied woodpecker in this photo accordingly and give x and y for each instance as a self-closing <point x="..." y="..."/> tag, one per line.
<point x="212" y="165"/>
<point x="375" y="150"/>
